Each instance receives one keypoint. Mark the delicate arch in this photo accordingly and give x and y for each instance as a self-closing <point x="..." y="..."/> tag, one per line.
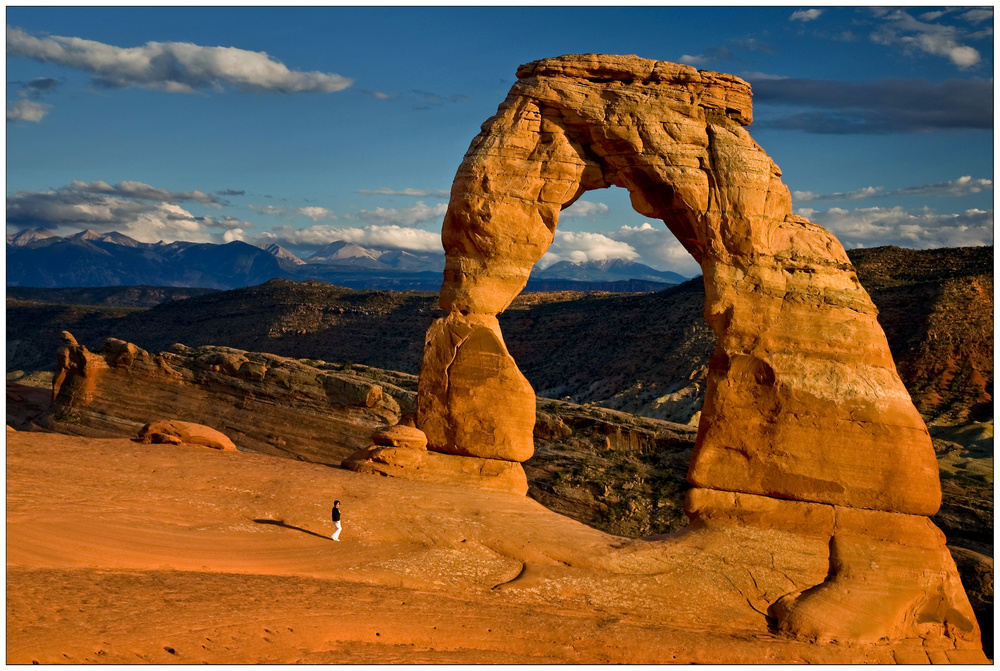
<point x="803" y="401"/>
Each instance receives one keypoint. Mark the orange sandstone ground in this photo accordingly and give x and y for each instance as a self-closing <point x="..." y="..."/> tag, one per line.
<point x="119" y="552"/>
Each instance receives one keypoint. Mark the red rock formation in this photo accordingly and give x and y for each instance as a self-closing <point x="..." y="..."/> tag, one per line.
<point x="265" y="403"/>
<point x="174" y="432"/>
<point x="805" y="416"/>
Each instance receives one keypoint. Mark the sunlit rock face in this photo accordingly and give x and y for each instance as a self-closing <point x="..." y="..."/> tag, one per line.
<point x="803" y="401"/>
<point x="803" y="407"/>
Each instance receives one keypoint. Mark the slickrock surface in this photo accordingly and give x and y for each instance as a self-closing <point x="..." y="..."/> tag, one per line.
<point x="802" y="403"/>
<point x="119" y="552"/>
<point x="262" y="402"/>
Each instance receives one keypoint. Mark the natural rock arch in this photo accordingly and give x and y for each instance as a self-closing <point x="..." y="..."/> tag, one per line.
<point x="803" y="401"/>
<point x="813" y="473"/>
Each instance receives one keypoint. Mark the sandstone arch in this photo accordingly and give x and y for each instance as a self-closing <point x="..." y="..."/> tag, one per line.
<point x="803" y="399"/>
<point x="806" y="433"/>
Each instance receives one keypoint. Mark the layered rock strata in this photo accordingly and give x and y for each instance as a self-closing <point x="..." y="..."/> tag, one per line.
<point x="803" y="406"/>
<point x="264" y="403"/>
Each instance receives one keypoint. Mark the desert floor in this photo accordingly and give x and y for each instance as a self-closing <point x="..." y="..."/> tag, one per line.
<point x="119" y="552"/>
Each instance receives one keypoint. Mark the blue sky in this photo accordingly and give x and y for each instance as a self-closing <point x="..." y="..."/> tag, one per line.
<point x="306" y="125"/>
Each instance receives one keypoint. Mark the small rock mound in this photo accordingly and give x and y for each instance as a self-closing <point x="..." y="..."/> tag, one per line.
<point x="175" y="432"/>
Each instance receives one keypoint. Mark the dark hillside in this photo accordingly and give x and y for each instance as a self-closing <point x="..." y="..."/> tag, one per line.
<point x="643" y="353"/>
<point x="141" y="296"/>
<point x="936" y="307"/>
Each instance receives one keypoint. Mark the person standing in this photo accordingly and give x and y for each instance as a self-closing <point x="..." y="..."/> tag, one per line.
<point x="335" y="514"/>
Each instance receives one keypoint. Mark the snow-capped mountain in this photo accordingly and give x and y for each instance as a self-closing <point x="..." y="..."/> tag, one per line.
<point x="38" y="258"/>
<point x="27" y="236"/>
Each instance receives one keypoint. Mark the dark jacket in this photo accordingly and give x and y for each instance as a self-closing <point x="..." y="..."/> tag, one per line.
<point x="335" y="514"/>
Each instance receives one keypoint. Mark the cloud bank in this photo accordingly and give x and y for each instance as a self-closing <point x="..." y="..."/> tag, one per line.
<point x="417" y="213"/>
<point x="917" y="229"/>
<point x="963" y="186"/>
<point x="133" y="208"/>
<point x="171" y="66"/>
<point x="880" y="107"/>
<point x="805" y="15"/>
<point x="391" y="236"/>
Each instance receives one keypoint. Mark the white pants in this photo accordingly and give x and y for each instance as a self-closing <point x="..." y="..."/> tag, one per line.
<point x="336" y="534"/>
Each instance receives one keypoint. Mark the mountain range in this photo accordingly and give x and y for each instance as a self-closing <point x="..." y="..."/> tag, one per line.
<point x="38" y="258"/>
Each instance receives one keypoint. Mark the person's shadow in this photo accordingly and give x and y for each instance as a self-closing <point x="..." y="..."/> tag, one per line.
<point x="284" y="525"/>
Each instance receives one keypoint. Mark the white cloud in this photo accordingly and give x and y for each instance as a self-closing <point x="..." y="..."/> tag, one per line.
<point x="658" y="248"/>
<point x="585" y="208"/>
<point x="390" y="236"/>
<point x="27" y="110"/>
<point x="805" y="15"/>
<point x="317" y="213"/>
<point x="938" y="39"/>
<point x="578" y="247"/>
<point x="866" y="192"/>
<point x="233" y="235"/>
<point x="404" y="216"/>
<point x="920" y="229"/>
<point x="171" y="66"/>
<point x="978" y="14"/>
<point x="694" y="60"/>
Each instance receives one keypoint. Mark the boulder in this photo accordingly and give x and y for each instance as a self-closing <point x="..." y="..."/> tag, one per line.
<point x="401" y="436"/>
<point x="175" y="432"/>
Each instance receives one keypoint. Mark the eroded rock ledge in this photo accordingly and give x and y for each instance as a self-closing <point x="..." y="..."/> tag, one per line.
<point x="264" y="403"/>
